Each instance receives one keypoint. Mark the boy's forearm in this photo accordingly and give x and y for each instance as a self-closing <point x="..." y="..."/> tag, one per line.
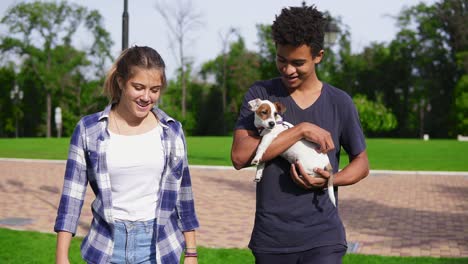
<point x="243" y="148"/>
<point x="355" y="171"/>
<point x="282" y="142"/>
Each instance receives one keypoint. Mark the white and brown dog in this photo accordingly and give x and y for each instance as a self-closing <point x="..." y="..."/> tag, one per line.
<point x="270" y="123"/>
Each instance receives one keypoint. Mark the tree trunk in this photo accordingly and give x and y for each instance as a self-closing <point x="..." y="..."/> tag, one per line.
<point x="224" y="92"/>
<point x="182" y="77"/>
<point x="184" y="92"/>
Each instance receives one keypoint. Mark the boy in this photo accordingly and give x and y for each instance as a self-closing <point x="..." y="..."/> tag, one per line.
<point x="295" y="222"/>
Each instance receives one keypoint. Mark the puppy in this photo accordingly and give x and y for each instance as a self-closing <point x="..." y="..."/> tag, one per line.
<point x="269" y="123"/>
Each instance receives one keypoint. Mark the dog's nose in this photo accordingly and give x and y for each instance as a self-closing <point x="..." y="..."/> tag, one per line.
<point x="271" y="124"/>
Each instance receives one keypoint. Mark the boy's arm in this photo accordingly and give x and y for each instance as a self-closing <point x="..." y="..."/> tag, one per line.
<point x="356" y="170"/>
<point x="245" y="143"/>
<point x="244" y="146"/>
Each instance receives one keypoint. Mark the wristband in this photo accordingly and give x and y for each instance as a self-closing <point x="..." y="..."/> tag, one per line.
<point x="190" y="255"/>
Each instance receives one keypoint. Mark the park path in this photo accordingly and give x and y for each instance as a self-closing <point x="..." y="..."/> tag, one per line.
<point x="388" y="213"/>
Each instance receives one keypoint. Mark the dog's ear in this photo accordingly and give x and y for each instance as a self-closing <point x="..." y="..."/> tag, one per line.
<point x="254" y="104"/>
<point x="280" y="107"/>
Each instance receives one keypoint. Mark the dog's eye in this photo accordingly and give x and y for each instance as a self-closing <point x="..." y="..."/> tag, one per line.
<point x="264" y="112"/>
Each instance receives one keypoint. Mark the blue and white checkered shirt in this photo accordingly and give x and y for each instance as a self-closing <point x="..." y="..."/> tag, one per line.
<point x="86" y="162"/>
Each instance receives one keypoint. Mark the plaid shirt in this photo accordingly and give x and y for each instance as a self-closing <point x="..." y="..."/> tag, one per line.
<point x="86" y="162"/>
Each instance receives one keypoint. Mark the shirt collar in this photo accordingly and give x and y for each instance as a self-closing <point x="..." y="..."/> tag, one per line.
<point x="105" y="113"/>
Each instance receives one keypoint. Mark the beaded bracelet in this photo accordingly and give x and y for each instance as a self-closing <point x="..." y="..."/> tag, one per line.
<point x="188" y="255"/>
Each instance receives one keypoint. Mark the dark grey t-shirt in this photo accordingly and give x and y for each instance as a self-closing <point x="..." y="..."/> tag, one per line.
<point x="288" y="218"/>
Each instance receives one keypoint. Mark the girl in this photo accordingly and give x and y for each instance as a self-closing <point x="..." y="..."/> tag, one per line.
<point x="134" y="157"/>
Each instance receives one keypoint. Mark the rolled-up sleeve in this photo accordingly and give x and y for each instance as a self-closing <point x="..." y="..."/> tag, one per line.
<point x="74" y="185"/>
<point x="185" y="201"/>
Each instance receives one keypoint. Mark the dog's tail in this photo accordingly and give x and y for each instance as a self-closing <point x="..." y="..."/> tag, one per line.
<point x="331" y="191"/>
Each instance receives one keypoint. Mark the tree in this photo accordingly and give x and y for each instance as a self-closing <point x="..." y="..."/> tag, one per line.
<point x="181" y="21"/>
<point x="42" y="33"/>
<point x="452" y="14"/>
<point x="375" y="117"/>
<point x="461" y="98"/>
<point x="433" y="70"/>
<point x="225" y="42"/>
<point x="243" y="69"/>
<point x="7" y="111"/>
<point x="267" y="52"/>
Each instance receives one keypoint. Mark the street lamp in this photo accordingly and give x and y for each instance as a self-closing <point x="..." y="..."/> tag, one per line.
<point x="331" y="28"/>
<point x="16" y="95"/>
<point x="331" y="31"/>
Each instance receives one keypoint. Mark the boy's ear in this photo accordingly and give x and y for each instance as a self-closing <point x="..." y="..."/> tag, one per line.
<point x="280" y="107"/>
<point x="317" y="59"/>
<point x="254" y="104"/>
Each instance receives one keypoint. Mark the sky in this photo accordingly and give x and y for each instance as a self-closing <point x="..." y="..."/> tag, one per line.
<point x="368" y="20"/>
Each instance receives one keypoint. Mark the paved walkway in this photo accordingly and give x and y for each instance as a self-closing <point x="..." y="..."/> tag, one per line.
<point x="388" y="213"/>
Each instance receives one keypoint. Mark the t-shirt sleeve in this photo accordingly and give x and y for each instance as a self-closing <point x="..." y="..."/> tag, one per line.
<point x="352" y="136"/>
<point x="246" y="116"/>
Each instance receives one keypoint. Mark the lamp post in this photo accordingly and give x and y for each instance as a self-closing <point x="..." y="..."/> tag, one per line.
<point x="125" y="26"/>
<point x="16" y="95"/>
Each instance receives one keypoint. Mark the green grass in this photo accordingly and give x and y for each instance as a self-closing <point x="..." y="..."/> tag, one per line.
<point x="415" y="154"/>
<point x="32" y="247"/>
<point x="23" y="247"/>
<point x="384" y="154"/>
<point x="388" y="154"/>
<point x="34" y="148"/>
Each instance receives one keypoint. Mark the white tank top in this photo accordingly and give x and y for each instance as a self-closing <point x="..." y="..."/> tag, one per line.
<point x="135" y="165"/>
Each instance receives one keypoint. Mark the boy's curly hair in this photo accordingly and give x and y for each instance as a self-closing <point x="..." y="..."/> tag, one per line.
<point x="300" y="25"/>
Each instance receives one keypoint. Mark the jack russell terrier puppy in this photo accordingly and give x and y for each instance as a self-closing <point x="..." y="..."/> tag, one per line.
<point x="269" y="123"/>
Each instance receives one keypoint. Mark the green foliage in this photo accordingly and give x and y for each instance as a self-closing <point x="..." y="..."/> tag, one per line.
<point x="242" y="69"/>
<point x="461" y="105"/>
<point x="420" y="76"/>
<point x="375" y="117"/>
<point x="171" y="101"/>
<point x="267" y="52"/>
<point x="7" y="80"/>
<point x="430" y="70"/>
<point x="414" y="75"/>
<point x="42" y="33"/>
<point x="461" y="95"/>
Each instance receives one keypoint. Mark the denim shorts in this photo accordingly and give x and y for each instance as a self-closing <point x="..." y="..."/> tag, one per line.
<point x="133" y="242"/>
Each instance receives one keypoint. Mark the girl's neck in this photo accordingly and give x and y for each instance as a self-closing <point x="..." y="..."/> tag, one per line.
<point x="123" y="115"/>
